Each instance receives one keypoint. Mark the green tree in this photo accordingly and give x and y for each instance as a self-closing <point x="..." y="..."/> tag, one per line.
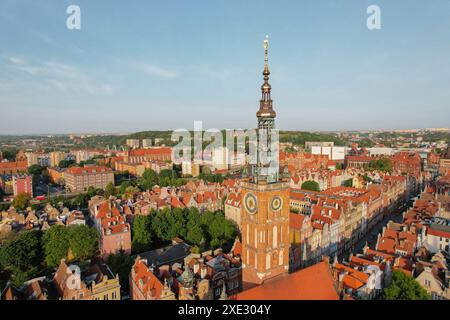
<point x="123" y="187"/>
<point x="21" y="201"/>
<point x="163" y="225"/>
<point x="81" y="200"/>
<point x="56" y="245"/>
<point x="311" y="186"/>
<point x="91" y="192"/>
<point x="149" y="179"/>
<point x="348" y="183"/>
<point x="383" y="164"/>
<point x="83" y="242"/>
<point x="66" y="163"/>
<point x="121" y="264"/>
<point x="195" y="235"/>
<point x="404" y="287"/>
<point x="22" y="256"/>
<point x="35" y="169"/>
<point x="130" y="192"/>
<point x="142" y="237"/>
<point x="339" y="166"/>
<point x="110" y="190"/>
<point x="179" y="222"/>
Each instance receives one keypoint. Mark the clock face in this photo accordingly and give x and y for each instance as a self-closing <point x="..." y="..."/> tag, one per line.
<point x="251" y="203"/>
<point x="276" y="203"/>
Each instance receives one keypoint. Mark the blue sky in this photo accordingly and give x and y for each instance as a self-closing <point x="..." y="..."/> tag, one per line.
<point x="152" y="65"/>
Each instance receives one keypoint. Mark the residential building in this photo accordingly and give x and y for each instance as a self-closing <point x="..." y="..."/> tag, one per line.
<point x="56" y="157"/>
<point x="22" y="184"/>
<point x="80" y="179"/>
<point x="146" y="143"/>
<point x="140" y="155"/>
<point x="13" y="167"/>
<point x="233" y="208"/>
<point x="70" y="282"/>
<point x="190" y="168"/>
<point x="437" y="235"/>
<point x="115" y="231"/>
<point x="133" y="143"/>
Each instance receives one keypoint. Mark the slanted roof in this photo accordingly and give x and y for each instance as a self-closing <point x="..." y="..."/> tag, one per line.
<point x="313" y="283"/>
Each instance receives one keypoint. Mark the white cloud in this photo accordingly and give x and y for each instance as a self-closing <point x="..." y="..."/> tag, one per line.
<point x="64" y="77"/>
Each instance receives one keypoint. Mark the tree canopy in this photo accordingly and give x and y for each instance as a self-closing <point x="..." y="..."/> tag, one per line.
<point x="383" y="164"/>
<point x="348" y="182"/>
<point x="83" y="241"/>
<point x="22" y="256"/>
<point x="311" y="186"/>
<point x="80" y="239"/>
<point x="110" y="190"/>
<point x="35" y="169"/>
<point x="21" y="201"/>
<point x="206" y="230"/>
<point x="404" y="287"/>
<point x="121" y="264"/>
<point x="66" y="163"/>
<point x="164" y="179"/>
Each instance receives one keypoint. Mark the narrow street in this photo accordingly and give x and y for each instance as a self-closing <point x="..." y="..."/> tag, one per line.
<point x="371" y="237"/>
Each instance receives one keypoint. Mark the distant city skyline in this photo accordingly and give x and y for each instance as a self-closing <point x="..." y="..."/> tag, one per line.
<point x="149" y="66"/>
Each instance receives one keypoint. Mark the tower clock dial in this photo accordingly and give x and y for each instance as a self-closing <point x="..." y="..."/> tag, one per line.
<point x="276" y="204"/>
<point x="251" y="203"/>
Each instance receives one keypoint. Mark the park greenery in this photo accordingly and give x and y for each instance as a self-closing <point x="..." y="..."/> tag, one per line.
<point x="383" y="164"/>
<point x="299" y="138"/>
<point x="404" y="287"/>
<point x="22" y="257"/>
<point x="33" y="252"/>
<point x="205" y="230"/>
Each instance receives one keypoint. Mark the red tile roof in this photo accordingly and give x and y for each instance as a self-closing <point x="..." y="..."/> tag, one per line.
<point x="313" y="283"/>
<point x="88" y="170"/>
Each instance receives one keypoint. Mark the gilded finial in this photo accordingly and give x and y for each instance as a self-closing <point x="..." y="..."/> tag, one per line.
<point x="266" y="43"/>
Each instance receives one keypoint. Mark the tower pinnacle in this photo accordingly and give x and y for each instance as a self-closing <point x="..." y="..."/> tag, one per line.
<point x="265" y="108"/>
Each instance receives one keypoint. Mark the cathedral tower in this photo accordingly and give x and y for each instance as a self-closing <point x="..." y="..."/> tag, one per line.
<point x="265" y="194"/>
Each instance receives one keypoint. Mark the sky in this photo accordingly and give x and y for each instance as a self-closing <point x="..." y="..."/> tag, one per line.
<point x="160" y="65"/>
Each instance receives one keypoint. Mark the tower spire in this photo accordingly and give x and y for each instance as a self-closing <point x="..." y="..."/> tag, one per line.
<point x="265" y="108"/>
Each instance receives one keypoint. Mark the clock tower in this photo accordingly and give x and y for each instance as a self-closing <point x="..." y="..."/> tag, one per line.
<point x="265" y="195"/>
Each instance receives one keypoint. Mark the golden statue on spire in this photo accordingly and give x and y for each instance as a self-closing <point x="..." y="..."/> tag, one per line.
<point x="266" y="72"/>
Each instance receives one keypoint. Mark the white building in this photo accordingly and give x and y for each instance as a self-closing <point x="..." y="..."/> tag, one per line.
<point x="380" y="151"/>
<point x="133" y="143"/>
<point x="436" y="237"/>
<point x="333" y="153"/>
<point x="220" y="160"/>
<point x="146" y="143"/>
<point x="188" y="168"/>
